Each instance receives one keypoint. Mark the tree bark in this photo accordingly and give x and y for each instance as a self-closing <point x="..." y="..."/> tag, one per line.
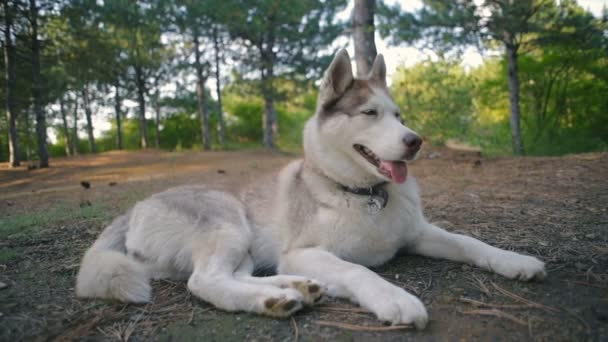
<point x="9" y="64"/>
<point x="66" y="131"/>
<point x="157" y="121"/>
<point x="363" y="35"/>
<point x="220" y="110"/>
<point x="43" y="149"/>
<point x="270" y="120"/>
<point x="75" y="129"/>
<point x="117" y="112"/>
<point x="513" y="79"/>
<point x="28" y="135"/>
<point x="87" y="110"/>
<point x="270" y="124"/>
<point x="141" y="92"/>
<point x="200" y="94"/>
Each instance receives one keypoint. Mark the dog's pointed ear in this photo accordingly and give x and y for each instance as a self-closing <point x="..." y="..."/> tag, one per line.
<point x="338" y="77"/>
<point x="378" y="71"/>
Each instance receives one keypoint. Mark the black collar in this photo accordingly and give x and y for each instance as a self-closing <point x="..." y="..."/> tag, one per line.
<point x="375" y="191"/>
<point x="376" y="194"/>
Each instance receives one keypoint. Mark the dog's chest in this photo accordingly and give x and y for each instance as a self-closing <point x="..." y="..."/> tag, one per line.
<point x="357" y="234"/>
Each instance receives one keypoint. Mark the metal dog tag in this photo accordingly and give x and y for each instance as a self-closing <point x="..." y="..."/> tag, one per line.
<point x="374" y="205"/>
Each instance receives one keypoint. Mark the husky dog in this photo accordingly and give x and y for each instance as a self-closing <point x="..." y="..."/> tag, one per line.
<point x="348" y="204"/>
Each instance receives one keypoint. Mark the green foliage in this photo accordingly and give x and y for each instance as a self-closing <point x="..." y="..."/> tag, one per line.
<point x="559" y="48"/>
<point x="244" y="110"/>
<point x="244" y="119"/>
<point x="563" y="109"/>
<point x="435" y="99"/>
<point x="289" y="37"/>
<point x="57" y="150"/>
<point x="181" y="131"/>
<point x="141" y="47"/>
<point x="130" y="135"/>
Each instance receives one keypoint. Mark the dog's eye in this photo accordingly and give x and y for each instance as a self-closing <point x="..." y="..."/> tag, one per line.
<point x="370" y="112"/>
<point x="398" y="115"/>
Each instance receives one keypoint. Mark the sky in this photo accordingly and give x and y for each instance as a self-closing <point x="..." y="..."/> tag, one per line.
<point x="395" y="56"/>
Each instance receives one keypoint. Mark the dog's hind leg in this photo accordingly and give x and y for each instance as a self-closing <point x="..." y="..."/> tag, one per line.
<point x="311" y="290"/>
<point x="213" y="278"/>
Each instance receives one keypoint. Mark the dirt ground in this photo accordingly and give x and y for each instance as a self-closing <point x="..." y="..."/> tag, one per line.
<point x="553" y="208"/>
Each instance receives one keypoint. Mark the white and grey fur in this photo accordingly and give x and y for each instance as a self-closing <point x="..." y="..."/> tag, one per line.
<point x="318" y="238"/>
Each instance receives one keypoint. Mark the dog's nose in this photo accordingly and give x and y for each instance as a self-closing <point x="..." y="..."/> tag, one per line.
<point x="412" y="141"/>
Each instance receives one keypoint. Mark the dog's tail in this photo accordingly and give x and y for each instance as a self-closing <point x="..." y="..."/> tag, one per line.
<point x="108" y="272"/>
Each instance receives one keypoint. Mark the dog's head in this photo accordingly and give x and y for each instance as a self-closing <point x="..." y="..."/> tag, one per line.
<point x="357" y="136"/>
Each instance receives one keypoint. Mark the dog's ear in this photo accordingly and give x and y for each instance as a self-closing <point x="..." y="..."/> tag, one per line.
<point x="338" y="77"/>
<point x="378" y="71"/>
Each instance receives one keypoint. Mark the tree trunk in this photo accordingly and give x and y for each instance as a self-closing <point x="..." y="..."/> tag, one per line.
<point x="9" y="64"/>
<point x="117" y="112"/>
<point x="270" y="120"/>
<point x="513" y="77"/>
<point x="75" y="129"/>
<point x="66" y="131"/>
<point x="141" y="92"/>
<point x="157" y="121"/>
<point x="87" y="111"/>
<point x="220" y="110"/>
<point x="270" y="124"/>
<point x="363" y="35"/>
<point x="200" y="94"/>
<point x="28" y="135"/>
<point x="43" y="149"/>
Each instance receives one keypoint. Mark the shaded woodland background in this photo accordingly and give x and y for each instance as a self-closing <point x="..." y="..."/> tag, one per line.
<point x="145" y="65"/>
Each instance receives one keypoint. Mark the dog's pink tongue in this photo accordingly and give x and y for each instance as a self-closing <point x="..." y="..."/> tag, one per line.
<point x="396" y="169"/>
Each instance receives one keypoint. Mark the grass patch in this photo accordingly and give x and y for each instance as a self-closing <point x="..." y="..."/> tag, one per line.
<point x="21" y="225"/>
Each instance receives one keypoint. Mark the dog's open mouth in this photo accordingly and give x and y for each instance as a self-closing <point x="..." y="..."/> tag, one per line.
<point x="396" y="170"/>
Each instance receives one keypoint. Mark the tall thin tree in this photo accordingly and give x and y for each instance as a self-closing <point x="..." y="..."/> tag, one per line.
<point x="9" y="63"/>
<point x="201" y="78"/>
<point x="157" y="113"/>
<point x="28" y="134"/>
<point x="218" y="81"/>
<point x="75" y="127"/>
<point x="141" y="99"/>
<point x="86" y="103"/>
<point x="66" y="131"/>
<point x="363" y="35"/>
<point x="118" y="113"/>
<point x="37" y="88"/>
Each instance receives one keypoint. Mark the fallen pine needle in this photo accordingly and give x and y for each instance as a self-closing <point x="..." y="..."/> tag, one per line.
<point x="343" y="309"/>
<point x="495" y="313"/>
<point x="585" y="283"/>
<point x="503" y="306"/>
<point x="79" y="330"/>
<point x="480" y="285"/>
<point x="355" y="327"/>
<point x="522" y="299"/>
<point x="295" y="329"/>
<point x="191" y="317"/>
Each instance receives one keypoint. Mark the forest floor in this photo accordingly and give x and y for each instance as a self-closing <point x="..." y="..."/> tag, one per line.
<point x="553" y="208"/>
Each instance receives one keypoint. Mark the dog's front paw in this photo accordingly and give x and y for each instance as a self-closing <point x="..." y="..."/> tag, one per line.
<point x="518" y="266"/>
<point x="396" y="306"/>
<point x="282" y="305"/>
<point x="311" y="290"/>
